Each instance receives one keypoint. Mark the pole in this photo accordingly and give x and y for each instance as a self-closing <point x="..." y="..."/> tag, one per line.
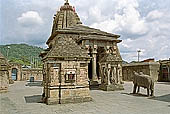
<point x="8" y="51"/>
<point x="60" y="81"/>
<point x="138" y="54"/>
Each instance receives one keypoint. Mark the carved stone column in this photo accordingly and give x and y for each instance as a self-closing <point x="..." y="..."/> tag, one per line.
<point x="115" y="74"/>
<point x="94" y="52"/>
<point x="120" y="74"/>
<point x="108" y="74"/>
<point x="94" y="80"/>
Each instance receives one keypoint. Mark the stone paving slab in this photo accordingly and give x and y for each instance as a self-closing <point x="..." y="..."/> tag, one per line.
<point x="21" y="99"/>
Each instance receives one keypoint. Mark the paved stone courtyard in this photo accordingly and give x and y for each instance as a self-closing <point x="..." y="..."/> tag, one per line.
<point x="23" y="98"/>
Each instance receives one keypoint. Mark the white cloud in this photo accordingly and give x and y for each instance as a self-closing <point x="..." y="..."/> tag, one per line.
<point x="126" y="19"/>
<point x="108" y="25"/>
<point x="131" y="21"/>
<point x="142" y="24"/>
<point x="154" y="44"/>
<point x="154" y="15"/>
<point x="30" y="18"/>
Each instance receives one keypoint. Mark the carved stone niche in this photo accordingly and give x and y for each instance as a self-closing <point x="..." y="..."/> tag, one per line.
<point x="70" y="76"/>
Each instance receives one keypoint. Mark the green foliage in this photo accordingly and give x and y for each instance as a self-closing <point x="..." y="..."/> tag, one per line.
<point x="22" y="53"/>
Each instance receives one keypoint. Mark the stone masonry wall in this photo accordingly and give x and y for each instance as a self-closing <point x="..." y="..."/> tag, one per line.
<point x="4" y="81"/>
<point x="36" y="73"/>
<point x="149" y="68"/>
<point x="77" y="91"/>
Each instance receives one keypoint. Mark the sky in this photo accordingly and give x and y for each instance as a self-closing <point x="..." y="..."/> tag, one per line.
<point x="142" y="24"/>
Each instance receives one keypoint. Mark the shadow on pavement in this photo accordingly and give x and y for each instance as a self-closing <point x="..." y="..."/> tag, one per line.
<point x="165" y="98"/>
<point x="165" y="83"/>
<point x="35" y="83"/>
<point x="137" y="94"/>
<point x="94" y="87"/>
<point x="33" y="99"/>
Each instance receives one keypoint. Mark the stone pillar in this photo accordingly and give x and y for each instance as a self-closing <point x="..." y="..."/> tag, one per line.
<point x="94" y="77"/>
<point x="108" y="74"/>
<point x="94" y="80"/>
<point x="115" y="74"/>
<point x="118" y="75"/>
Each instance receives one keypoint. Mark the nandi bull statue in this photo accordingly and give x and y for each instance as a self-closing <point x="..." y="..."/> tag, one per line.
<point x="145" y="81"/>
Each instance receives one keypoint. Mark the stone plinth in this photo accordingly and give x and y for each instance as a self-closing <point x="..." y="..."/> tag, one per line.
<point x="111" y="87"/>
<point x="94" y="83"/>
<point x="69" y="95"/>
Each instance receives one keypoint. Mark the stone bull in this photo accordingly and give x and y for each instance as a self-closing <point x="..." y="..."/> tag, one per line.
<point x="145" y="81"/>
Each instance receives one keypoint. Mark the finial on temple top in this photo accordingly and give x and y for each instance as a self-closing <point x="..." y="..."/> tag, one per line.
<point x="66" y="1"/>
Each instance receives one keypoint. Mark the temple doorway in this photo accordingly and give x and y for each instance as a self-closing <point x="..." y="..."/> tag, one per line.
<point x="14" y="74"/>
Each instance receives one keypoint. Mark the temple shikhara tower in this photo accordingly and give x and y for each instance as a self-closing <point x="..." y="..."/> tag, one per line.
<point x="78" y="56"/>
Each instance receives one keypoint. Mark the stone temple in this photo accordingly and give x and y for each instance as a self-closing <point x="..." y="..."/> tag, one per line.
<point x="78" y="57"/>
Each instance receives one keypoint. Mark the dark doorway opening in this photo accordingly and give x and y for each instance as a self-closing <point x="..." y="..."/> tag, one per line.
<point x="100" y="55"/>
<point x="90" y="70"/>
<point x="14" y="74"/>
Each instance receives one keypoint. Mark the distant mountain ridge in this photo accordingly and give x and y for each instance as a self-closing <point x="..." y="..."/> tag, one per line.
<point x="24" y="54"/>
<point x="21" y="53"/>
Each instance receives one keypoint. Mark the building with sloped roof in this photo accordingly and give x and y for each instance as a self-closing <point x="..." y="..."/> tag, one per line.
<point x="76" y="55"/>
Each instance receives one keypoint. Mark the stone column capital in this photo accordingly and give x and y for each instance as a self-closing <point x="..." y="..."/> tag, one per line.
<point x="107" y="49"/>
<point x="87" y="47"/>
<point x="94" y="49"/>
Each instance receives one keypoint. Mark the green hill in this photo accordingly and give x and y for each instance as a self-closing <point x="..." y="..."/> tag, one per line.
<point x="22" y="53"/>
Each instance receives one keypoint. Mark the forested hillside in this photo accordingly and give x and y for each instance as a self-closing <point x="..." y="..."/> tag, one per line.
<point x="22" y="54"/>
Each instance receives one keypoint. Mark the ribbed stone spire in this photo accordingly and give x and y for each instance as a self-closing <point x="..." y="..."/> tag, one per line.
<point x="66" y="17"/>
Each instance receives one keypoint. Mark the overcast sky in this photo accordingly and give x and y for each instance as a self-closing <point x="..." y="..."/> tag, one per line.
<point x="142" y="24"/>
